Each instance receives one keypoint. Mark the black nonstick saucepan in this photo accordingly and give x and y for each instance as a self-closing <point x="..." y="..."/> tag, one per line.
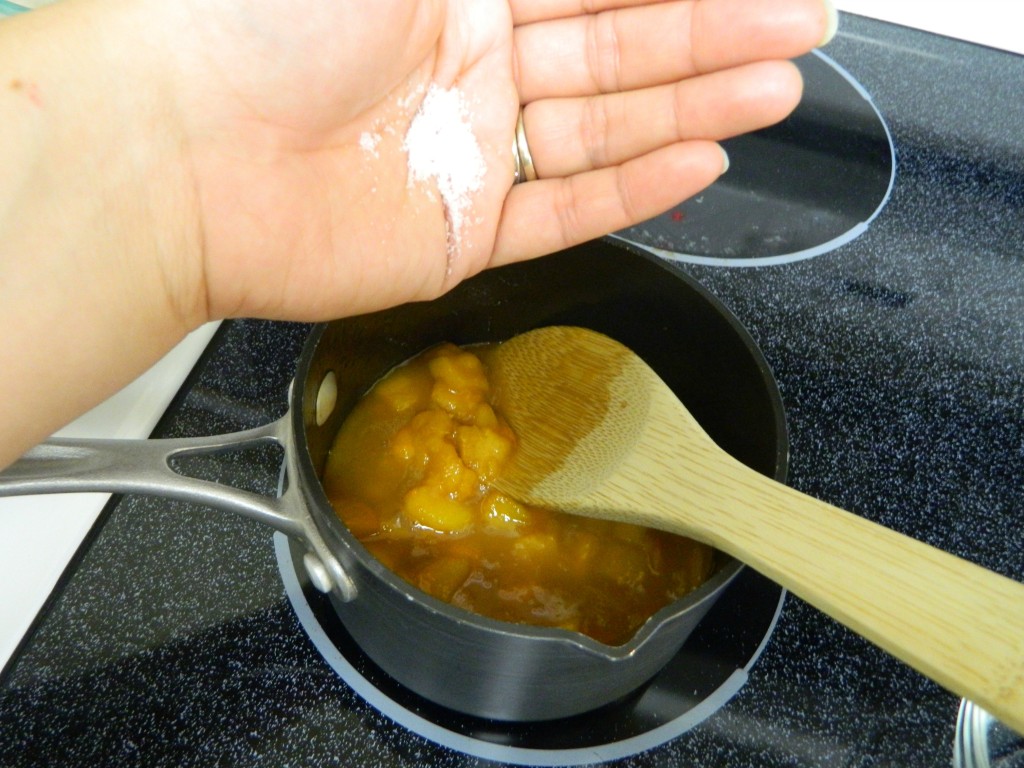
<point x="469" y="663"/>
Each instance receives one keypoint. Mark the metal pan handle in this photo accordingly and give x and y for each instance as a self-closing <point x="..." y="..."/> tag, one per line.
<point x="75" y="465"/>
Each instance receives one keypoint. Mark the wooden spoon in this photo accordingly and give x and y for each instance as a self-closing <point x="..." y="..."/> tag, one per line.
<point x="601" y="435"/>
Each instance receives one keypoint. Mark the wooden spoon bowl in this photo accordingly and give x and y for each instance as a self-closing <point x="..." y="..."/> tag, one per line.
<point x="601" y="435"/>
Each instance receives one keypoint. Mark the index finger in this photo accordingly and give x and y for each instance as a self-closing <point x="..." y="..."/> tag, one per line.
<point x="529" y="11"/>
<point x="655" y="43"/>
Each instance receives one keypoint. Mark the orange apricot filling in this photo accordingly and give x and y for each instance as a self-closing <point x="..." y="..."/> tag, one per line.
<point x="410" y="474"/>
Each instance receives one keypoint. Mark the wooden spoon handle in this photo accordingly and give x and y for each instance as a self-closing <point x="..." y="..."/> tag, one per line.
<point x="604" y="437"/>
<point x="957" y="623"/>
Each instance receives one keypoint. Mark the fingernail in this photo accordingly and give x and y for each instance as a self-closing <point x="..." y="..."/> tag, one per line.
<point x="725" y="159"/>
<point x="833" y="23"/>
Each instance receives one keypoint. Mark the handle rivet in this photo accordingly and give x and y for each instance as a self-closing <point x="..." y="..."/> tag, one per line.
<point x="318" y="574"/>
<point x="326" y="398"/>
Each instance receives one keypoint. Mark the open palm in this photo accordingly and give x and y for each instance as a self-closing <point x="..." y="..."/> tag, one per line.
<point x="295" y="127"/>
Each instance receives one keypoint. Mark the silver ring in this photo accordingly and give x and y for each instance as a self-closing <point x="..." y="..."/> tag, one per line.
<point x="524" y="170"/>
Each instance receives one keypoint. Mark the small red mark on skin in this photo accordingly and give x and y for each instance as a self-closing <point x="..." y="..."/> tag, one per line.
<point x="31" y="91"/>
<point x="677" y="216"/>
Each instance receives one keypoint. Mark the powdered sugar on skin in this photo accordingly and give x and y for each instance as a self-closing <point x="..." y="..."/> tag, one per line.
<point x="442" y="149"/>
<point x="369" y="142"/>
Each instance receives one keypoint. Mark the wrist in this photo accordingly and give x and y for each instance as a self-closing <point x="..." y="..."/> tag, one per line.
<point x="101" y="187"/>
<point x="100" y="270"/>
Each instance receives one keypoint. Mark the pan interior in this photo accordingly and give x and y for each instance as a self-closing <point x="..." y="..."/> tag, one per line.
<point x="685" y="334"/>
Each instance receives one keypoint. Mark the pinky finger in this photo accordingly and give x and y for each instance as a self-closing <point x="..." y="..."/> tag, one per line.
<point x="547" y="215"/>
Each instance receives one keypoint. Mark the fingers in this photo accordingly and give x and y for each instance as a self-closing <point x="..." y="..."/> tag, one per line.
<point x="635" y="47"/>
<point x="625" y="100"/>
<point x="616" y="50"/>
<point x="548" y="215"/>
<point x="529" y="11"/>
<point x="568" y="136"/>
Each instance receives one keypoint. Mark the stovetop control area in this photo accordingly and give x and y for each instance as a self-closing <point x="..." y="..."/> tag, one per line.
<point x="879" y="268"/>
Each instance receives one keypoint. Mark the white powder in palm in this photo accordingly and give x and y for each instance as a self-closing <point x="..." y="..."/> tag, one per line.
<point x="442" y="148"/>
<point x="369" y="142"/>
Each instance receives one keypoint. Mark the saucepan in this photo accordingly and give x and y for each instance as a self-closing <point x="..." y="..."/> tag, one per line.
<point x="469" y="663"/>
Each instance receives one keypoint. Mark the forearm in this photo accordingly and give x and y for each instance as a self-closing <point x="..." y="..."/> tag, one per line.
<point x="97" y="260"/>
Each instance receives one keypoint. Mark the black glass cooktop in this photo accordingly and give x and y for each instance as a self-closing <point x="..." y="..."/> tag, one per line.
<point x="175" y="638"/>
<point x="795" y="190"/>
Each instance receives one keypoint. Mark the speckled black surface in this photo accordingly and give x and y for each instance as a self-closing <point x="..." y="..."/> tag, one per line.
<point x="900" y="357"/>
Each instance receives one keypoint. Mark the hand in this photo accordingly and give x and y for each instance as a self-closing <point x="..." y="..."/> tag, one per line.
<point x="168" y="163"/>
<point x="293" y="125"/>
